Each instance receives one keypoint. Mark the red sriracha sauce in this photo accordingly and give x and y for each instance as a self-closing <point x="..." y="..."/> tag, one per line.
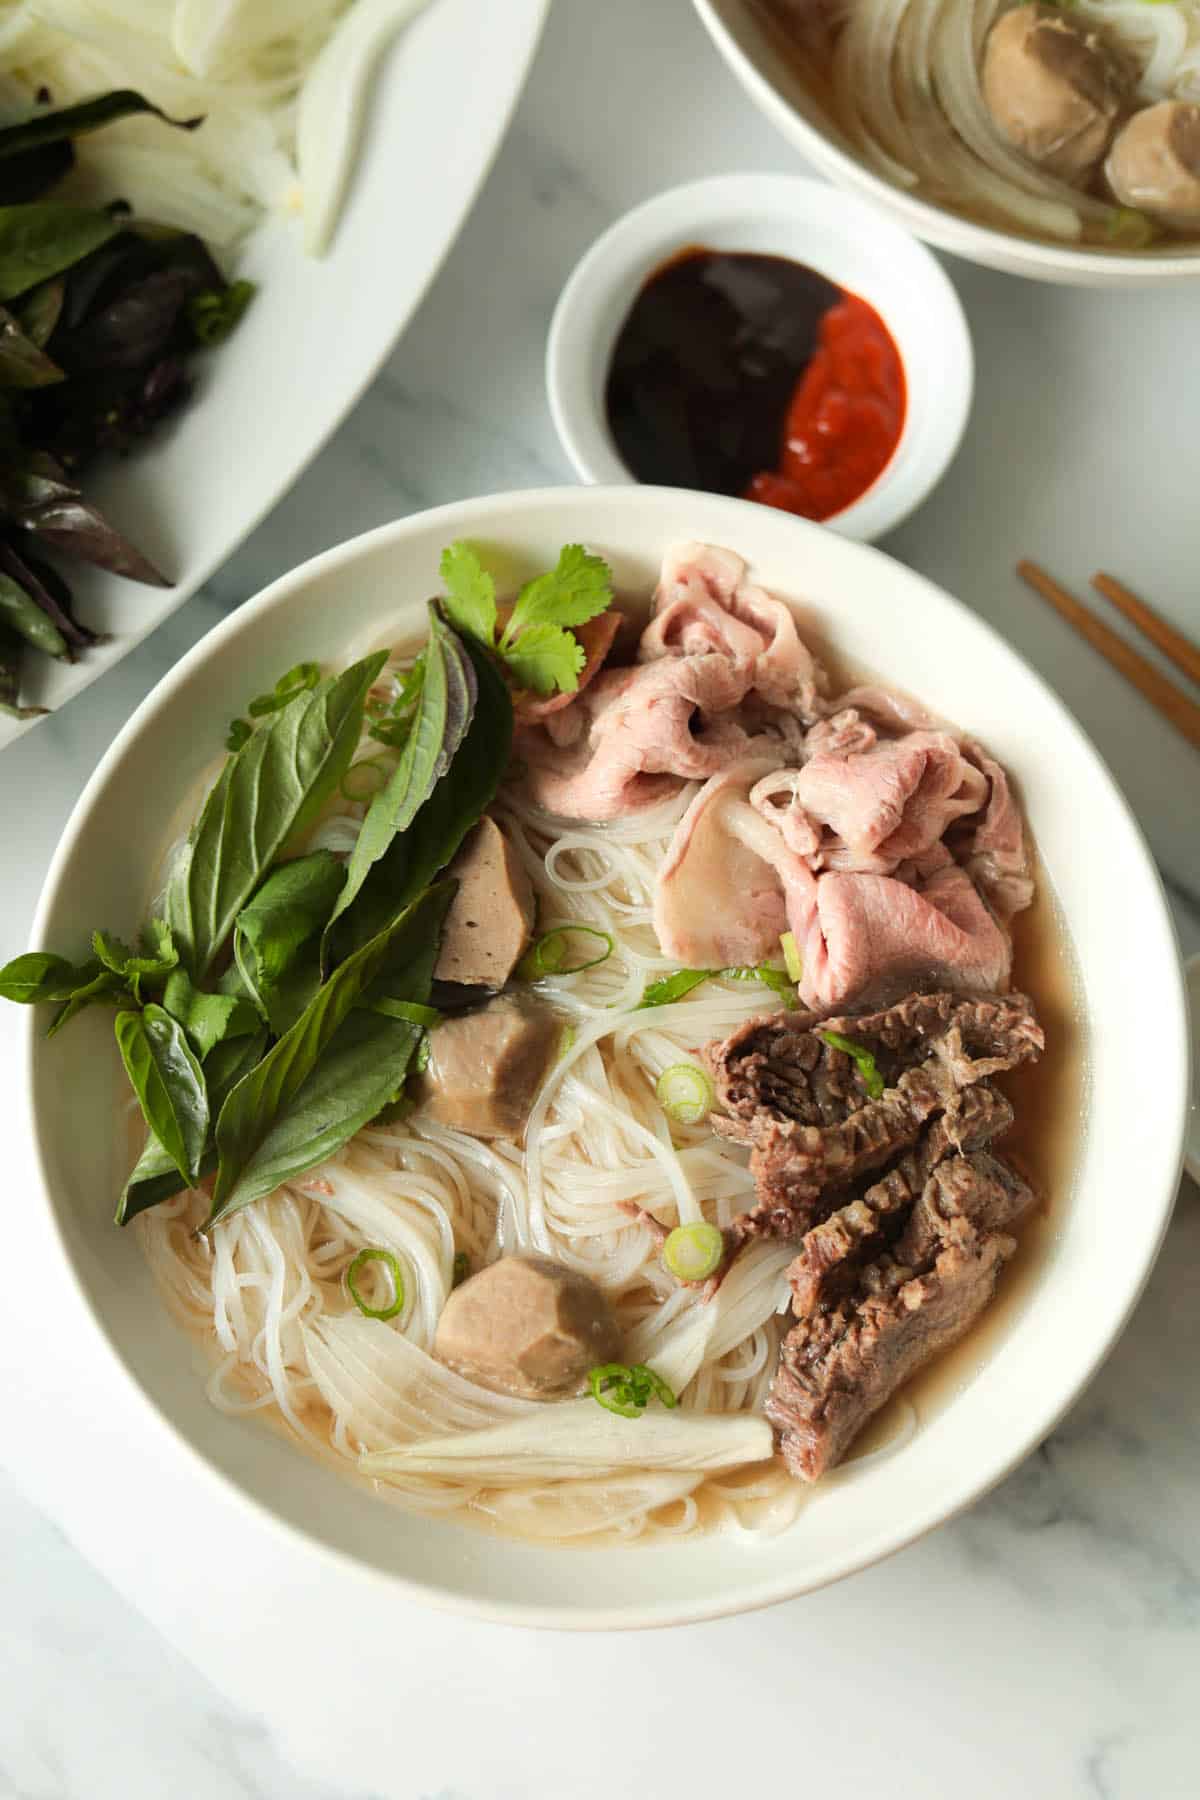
<point x="845" y="419"/>
<point x="739" y="373"/>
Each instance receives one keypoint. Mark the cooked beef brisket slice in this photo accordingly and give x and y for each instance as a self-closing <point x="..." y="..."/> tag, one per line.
<point x="979" y="1191"/>
<point x="837" y="1370"/>
<point x="833" y="1249"/>
<point x="781" y="1064"/>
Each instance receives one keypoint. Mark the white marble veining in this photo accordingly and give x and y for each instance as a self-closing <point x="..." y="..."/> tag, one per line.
<point x="1044" y="1645"/>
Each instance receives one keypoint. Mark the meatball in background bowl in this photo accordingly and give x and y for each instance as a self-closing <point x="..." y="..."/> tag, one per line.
<point x="1148" y="153"/>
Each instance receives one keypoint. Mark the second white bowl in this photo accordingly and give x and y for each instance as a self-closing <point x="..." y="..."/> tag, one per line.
<point x="844" y="239"/>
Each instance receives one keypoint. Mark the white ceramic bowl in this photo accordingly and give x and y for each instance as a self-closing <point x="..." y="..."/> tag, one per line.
<point x="844" y="239"/>
<point x="1105" y="1233"/>
<point x="773" y="82"/>
<point x="1192" y="1156"/>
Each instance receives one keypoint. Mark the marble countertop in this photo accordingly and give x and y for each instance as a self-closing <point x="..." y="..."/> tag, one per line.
<point x="1043" y="1645"/>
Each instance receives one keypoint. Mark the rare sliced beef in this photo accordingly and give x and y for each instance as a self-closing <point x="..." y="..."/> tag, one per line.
<point x="865" y="1326"/>
<point x="802" y="1104"/>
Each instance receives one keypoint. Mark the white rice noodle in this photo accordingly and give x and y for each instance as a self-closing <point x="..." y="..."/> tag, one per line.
<point x="862" y="77"/>
<point x="1164" y="39"/>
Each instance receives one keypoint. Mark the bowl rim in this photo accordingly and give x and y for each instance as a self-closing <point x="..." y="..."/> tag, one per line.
<point x="474" y="514"/>
<point x="660" y="225"/>
<point x="992" y="246"/>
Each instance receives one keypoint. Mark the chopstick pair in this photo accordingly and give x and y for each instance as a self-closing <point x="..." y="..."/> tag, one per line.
<point x="1171" y="701"/>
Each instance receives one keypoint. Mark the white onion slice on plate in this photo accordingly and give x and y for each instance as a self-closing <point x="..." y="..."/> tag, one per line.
<point x="332" y="104"/>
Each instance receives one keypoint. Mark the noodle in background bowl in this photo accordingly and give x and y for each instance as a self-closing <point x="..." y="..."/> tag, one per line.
<point x="777" y="86"/>
<point x="1104" y="1234"/>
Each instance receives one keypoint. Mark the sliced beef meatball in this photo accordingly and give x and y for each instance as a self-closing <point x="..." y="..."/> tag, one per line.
<point x="1154" y="164"/>
<point x="1055" y="87"/>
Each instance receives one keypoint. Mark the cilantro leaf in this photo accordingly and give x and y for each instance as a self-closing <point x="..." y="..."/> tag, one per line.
<point x="470" y="598"/>
<point x="575" y="591"/>
<point x="546" y="657"/>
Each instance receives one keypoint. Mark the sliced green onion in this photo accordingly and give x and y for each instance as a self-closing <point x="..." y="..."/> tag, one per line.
<point x="673" y="987"/>
<point x="685" y="1093"/>
<point x="868" y="1069"/>
<point x="566" y="1042"/>
<point x="627" y="1389"/>
<point x="298" y="680"/>
<point x="549" y="956"/>
<point x="364" y="779"/>
<point x="462" y="1268"/>
<point x="393" y="1268"/>
<point x="775" y="979"/>
<point x="694" y="1252"/>
<point x="1128" y="228"/>
<point x="791" y="957"/>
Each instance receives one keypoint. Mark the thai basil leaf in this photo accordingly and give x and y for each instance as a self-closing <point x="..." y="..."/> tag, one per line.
<point x="277" y="939"/>
<point x="155" y="1176"/>
<point x="39" y="975"/>
<point x="333" y="1070"/>
<point x="208" y="1019"/>
<point x="455" y="805"/>
<point x="37" y="495"/>
<point x="22" y="363"/>
<point x="105" y="986"/>
<point x="41" y="309"/>
<point x="155" y="960"/>
<point x="168" y="1082"/>
<point x="43" y="239"/>
<point x="443" y="714"/>
<point x="45" y="125"/>
<point x="22" y="615"/>
<point x="45" y="586"/>
<point x="268" y="791"/>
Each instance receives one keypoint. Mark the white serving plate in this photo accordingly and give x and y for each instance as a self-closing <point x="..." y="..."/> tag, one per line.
<point x="754" y="54"/>
<point x="316" y="334"/>
<point x="1105" y="1233"/>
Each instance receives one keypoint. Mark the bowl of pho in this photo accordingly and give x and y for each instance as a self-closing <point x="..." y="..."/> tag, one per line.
<point x="1052" y="141"/>
<point x="581" y="1021"/>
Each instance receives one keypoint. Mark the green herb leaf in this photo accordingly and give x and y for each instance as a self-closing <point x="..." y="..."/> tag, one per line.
<point x="545" y="658"/>
<point x="44" y="238"/>
<point x="443" y="716"/>
<point x="277" y="939"/>
<point x="270" y="790"/>
<point x="239" y="733"/>
<point x="334" y="1070"/>
<point x="578" y="589"/>
<point x="208" y="1019"/>
<point x="215" y="313"/>
<point x="39" y="975"/>
<point x="470" y="599"/>
<point x="392" y="724"/>
<point x="41" y="310"/>
<point x="155" y="1176"/>
<point x="23" y="364"/>
<point x="168" y="1082"/>
<point x="299" y="680"/>
<point x="47" y="125"/>
<point x="21" y="614"/>
<point x="156" y="958"/>
<point x="456" y="804"/>
<point x="872" y="1080"/>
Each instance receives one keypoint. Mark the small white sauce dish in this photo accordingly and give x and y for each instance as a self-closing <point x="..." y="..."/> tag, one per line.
<point x="842" y="237"/>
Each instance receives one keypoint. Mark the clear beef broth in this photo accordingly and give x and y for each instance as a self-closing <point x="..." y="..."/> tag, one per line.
<point x="1050" y="1100"/>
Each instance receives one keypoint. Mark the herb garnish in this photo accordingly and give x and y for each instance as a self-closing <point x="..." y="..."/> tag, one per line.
<point x="535" y="643"/>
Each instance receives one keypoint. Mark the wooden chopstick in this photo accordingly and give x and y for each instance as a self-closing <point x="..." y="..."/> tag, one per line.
<point x="1169" y="700"/>
<point x="1182" y="652"/>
